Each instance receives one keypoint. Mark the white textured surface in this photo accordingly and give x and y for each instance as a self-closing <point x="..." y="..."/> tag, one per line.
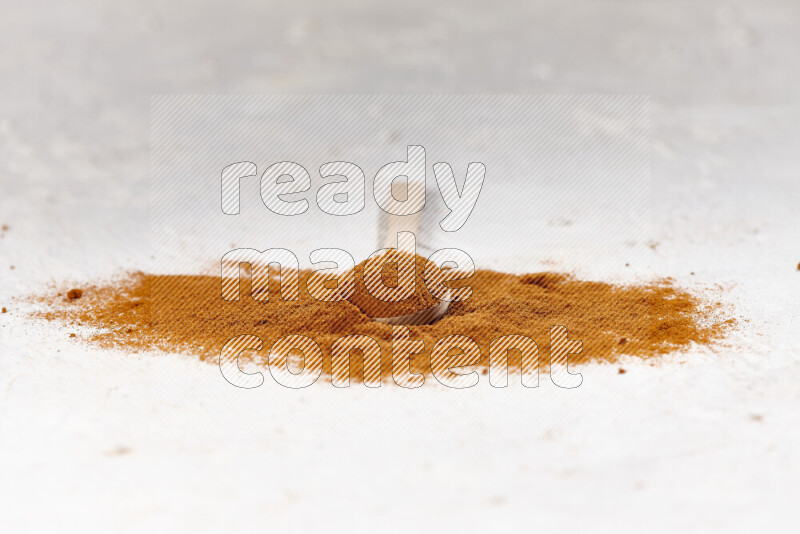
<point x="702" y="441"/>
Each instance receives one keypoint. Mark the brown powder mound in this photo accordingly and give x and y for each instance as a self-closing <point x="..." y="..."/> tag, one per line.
<point x="388" y="265"/>
<point x="188" y="314"/>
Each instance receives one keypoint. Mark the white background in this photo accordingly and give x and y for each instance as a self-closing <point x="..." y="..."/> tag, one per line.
<point x="704" y="440"/>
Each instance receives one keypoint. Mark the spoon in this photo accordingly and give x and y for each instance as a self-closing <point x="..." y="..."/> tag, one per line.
<point x="388" y="228"/>
<point x="426" y="316"/>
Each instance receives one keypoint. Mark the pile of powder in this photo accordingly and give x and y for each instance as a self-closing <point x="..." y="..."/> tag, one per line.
<point x="387" y="265"/>
<point x="187" y="314"/>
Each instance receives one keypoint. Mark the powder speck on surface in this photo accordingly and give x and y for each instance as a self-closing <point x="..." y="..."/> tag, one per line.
<point x="73" y="294"/>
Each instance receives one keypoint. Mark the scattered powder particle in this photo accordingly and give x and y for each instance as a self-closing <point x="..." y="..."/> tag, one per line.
<point x="5" y="228"/>
<point x="72" y="335"/>
<point x="119" y="451"/>
<point x="623" y="340"/>
<point x="5" y="310"/>
<point x="798" y="266"/>
<point x="622" y="371"/>
<point x="73" y="294"/>
<point x="11" y="267"/>
<point x="186" y="314"/>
